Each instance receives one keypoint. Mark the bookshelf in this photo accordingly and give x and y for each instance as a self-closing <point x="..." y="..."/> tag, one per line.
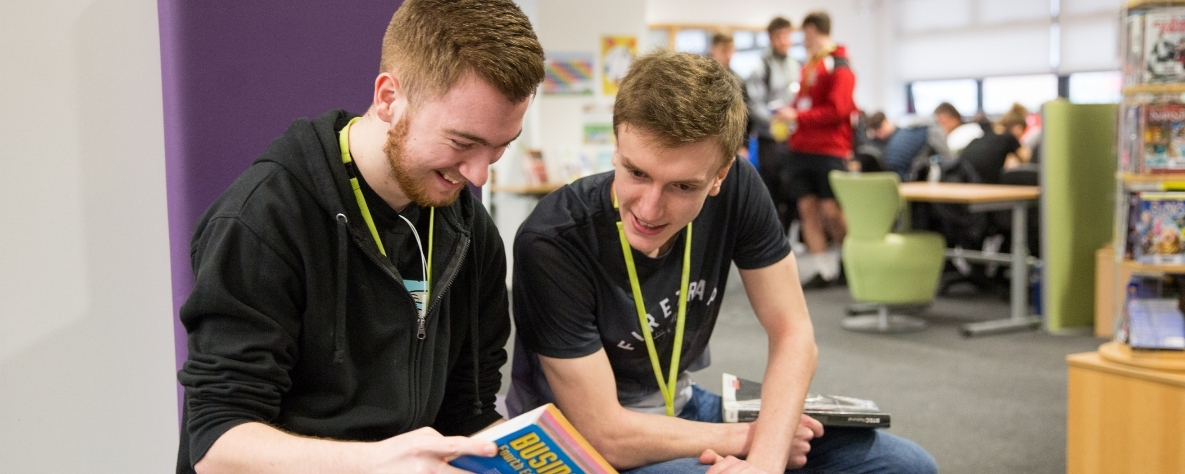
<point x="1150" y="190"/>
<point x="1125" y="406"/>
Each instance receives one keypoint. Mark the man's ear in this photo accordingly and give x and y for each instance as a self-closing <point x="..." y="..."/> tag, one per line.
<point x="720" y="177"/>
<point x="390" y="99"/>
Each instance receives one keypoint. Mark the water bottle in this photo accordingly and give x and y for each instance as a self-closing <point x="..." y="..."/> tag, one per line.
<point x="935" y="173"/>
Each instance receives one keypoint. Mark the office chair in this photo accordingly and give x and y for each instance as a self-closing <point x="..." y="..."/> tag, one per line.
<point x="884" y="268"/>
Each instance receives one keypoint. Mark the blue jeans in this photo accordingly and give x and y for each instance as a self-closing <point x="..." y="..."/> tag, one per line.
<point x="839" y="450"/>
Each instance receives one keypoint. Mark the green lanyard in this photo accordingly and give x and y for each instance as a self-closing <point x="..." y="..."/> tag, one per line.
<point x="666" y="386"/>
<point x="343" y="141"/>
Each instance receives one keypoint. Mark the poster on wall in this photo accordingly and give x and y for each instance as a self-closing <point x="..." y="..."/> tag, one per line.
<point x="617" y="52"/>
<point x="598" y="123"/>
<point x="568" y="73"/>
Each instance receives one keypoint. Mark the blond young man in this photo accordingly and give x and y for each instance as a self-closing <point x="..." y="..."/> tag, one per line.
<point x="613" y="269"/>
<point x="350" y="308"/>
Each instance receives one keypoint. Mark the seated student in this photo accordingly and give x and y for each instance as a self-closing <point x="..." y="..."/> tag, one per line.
<point x="907" y="151"/>
<point x="958" y="133"/>
<point x="618" y="280"/>
<point x="994" y="152"/>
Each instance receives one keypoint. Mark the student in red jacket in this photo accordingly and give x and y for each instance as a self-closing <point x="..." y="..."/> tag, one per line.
<point x="822" y="141"/>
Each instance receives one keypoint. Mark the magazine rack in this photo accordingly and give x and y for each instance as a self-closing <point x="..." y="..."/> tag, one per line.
<point x="1151" y="175"/>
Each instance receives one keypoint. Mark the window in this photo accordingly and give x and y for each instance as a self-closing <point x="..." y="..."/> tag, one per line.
<point x="999" y="93"/>
<point x="693" y="41"/>
<point x="961" y="93"/>
<point x="1101" y="87"/>
<point x="750" y="42"/>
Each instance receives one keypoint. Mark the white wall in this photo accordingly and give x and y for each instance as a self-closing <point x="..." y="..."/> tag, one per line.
<point x="86" y="339"/>
<point x="555" y="122"/>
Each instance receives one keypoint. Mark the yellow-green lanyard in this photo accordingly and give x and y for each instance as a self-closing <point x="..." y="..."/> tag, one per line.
<point x="667" y="387"/>
<point x="343" y="141"/>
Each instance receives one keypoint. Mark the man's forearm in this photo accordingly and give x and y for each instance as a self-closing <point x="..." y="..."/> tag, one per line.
<point x="259" y="448"/>
<point x="792" y="359"/>
<point x="629" y="439"/>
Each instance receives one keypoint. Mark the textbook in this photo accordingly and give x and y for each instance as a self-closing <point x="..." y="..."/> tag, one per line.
<point x="540" y="441"/>
<point x="742" y="401"/>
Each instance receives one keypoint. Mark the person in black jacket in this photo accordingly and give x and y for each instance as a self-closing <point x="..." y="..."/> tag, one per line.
<point x="350" y="311"/>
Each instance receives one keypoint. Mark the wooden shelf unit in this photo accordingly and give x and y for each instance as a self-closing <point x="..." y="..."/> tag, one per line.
<point x="1123" y="418"/>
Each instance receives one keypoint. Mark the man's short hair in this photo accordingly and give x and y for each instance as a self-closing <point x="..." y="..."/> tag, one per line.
<point x="433" y="44"/>
<point x="948" y="110"/>
<point x="876" y="120"/>
<point x="820" y="20"/>
<point x="721" y="38"/>
<point x="680" y="99"/>
<point x="778" y="23"/>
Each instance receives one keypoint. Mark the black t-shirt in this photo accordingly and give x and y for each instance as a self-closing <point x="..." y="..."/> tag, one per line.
<point x="399" y="242"/>
<point x="572" y="293"/>
<point x="987" y="154"/>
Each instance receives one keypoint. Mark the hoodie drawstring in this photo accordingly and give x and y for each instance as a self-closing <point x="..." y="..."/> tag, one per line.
<point x="339" y="330"/>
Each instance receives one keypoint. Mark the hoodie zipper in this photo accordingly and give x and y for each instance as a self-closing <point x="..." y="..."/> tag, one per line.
<point x="455" y="269"/>
<point x="421" y="320"/>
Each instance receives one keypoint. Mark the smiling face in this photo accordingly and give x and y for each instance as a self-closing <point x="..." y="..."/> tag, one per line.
<point x="437" y="147"/>
<point x="660" y="190"/>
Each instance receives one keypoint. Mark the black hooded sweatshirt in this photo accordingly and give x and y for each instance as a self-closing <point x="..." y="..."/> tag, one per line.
<point x="297" y="321"/>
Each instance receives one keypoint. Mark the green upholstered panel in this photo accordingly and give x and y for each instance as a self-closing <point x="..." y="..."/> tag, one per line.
<point x="870" y="201"/>
<point x="1078" y="184"/>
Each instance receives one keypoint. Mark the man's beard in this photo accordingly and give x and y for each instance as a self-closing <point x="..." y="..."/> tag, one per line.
<point x="414" y="187"/>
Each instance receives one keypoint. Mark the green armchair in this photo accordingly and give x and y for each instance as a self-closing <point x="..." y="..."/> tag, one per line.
<point x="884" y="268"/>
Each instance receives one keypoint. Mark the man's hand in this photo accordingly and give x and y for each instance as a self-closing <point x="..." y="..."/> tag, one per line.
<point x="808" y="429"/>
<point x="425" y="451"/>
<point x="727" y="465"/>
<point x="788" y="114"/>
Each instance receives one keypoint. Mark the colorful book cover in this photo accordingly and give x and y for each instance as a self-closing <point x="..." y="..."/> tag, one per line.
<point x="741" y="402"/>
<point x="1164" y="138"/>
<point x="1164" y="46"/>
<point x="1158" y="228"/>
<point x="540" y="441"/>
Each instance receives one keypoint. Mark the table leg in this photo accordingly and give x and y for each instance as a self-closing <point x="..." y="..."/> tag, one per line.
<point x="1019" y="318"/>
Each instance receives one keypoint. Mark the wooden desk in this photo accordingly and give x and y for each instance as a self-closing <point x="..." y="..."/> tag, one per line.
<point x="1123" y="419"/>
<point x="968" y="193"/>
<point x="984" y="198"/>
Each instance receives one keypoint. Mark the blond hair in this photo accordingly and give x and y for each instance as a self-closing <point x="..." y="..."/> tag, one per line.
<point x="680" y="99"/>
<point x="1015" y="116"/>
<point x="433" y="44"/>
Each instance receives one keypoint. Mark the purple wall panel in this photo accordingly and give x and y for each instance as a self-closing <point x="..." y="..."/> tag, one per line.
<point x="235" y="74"/>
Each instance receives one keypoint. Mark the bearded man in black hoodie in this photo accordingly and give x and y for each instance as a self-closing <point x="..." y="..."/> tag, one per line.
<point x="350" y="311"/>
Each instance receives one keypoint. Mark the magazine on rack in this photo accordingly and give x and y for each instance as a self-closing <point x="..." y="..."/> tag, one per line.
<point x="1164" y="46"/>
<point x="1164" y="138"/>
<point x="1159" y="228"/>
